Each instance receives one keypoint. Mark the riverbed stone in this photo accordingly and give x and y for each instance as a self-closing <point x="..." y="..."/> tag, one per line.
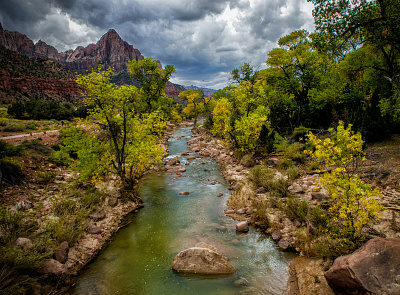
<point x="200" y="260"/>
<point x="276" y="235"/>
<point x="61" y="254"/>
<point x="284" y="244"/>
<point x="220" y="194"/>
<point x="241" y="282"/>
<point x="23" y="243"/>
<point x="53" y="267"/>
<point x="94" y="230"/>
<point x="172" y="161"/>
<point x="242" y="227"/>
<point x="184" y="193"/>
<point x="372" y="269"/>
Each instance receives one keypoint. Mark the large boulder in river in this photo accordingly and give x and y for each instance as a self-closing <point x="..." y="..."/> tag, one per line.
<point x="202" y="260"/>
<point x="372" y="269"/>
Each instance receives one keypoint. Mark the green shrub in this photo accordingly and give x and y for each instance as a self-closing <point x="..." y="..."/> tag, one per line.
<point x="45" y="177"/>
<point x="279" y="187"/>
<point x="11" y="172"/>
<point x="293" y="172"/>
<point x="68" y="228"/>
<point x="60" y="158"/>
<point x="92" y="198"/>
<point x="296" y="209"/>
<point x="261" y="176"/>
<point x="300" y="133"/>
<point x="13" y="128"/>
<point x="9" y="150"/>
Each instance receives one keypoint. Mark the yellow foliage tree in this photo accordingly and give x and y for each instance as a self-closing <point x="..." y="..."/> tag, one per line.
<point x="353" y="202"/>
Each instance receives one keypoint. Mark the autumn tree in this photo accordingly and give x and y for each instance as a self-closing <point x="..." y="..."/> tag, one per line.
<point x="195" y="101"/>
<point x="353" y="202"/>
<point x="114" y="138"/>
<point x="152" y="78"/>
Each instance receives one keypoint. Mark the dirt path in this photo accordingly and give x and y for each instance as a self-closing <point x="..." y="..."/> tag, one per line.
<point x="47" y="137"/>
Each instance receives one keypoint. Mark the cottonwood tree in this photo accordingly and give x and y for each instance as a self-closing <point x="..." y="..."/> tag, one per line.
<point x="152" y="78"/>
<point x="114" y="139"/>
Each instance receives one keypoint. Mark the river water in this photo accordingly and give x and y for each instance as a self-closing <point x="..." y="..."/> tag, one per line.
<point x="138" y="260"/>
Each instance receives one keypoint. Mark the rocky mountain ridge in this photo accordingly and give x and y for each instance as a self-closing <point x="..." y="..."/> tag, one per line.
<point x="110" y="50"/>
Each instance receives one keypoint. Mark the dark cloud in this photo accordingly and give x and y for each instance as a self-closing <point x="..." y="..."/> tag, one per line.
<point x="203" y="39"/>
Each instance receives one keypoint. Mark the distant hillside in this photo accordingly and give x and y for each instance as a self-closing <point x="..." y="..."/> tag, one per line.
<point x="206" y="91"/>
<point x="110" y="50"/>
<point x="23" y="78"/>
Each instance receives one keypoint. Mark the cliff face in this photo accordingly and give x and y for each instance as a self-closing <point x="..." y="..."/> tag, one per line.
<point x="23" y="78"/>
<point x="110" y="50"/>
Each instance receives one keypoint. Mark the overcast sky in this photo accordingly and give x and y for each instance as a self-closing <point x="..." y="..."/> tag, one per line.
<point x="203" y="39"/>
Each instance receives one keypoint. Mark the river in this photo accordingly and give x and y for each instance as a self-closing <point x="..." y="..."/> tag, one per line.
<point x="139" y="258"/>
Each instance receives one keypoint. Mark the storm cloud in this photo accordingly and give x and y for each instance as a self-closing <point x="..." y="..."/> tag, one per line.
<point x="204" y="39"/>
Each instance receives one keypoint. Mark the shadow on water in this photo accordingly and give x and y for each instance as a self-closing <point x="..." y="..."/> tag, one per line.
<point x="138" y="260"/>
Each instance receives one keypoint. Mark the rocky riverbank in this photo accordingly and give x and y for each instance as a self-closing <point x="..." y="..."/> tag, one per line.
<point x="55" y="209"/>
<point x="287" y="232"/>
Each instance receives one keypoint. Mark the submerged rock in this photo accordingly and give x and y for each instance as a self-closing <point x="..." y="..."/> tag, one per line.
<point x="202" y="259"/>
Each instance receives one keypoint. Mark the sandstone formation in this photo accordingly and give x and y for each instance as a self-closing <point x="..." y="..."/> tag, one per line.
<point x="372" y="269"/>
<point x="110" y="50"/>
<point x="202" y="259"/>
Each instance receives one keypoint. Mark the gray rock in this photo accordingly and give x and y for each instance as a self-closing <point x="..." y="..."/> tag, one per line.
<point x="241" y="282"/>
<point x="23" y="205"/>
<point x="200" y="260"/>
<point x="242" y="227"/>
<point x="295" y="188"/>
<point x="274" y="162"/>
<point x="23" y="243"/>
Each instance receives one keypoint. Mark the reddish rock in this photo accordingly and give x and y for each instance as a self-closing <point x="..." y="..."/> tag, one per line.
<point x="95" y="230"/>
<point x="220" y="195"/>
<point x="61" y="254"/>
<point x="276" y="235"/>
<point x="284" y="244"/>
<point x="184" y="193"/>
<point x="172" y="161"/>
<point x="372" y="269"/>
<point x="53" y="267"/>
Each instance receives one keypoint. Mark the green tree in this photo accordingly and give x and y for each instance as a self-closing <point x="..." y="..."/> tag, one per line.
<point x="115" y="138"/>
<point x="298" y="65"/>
<point x="152" y="79"/>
